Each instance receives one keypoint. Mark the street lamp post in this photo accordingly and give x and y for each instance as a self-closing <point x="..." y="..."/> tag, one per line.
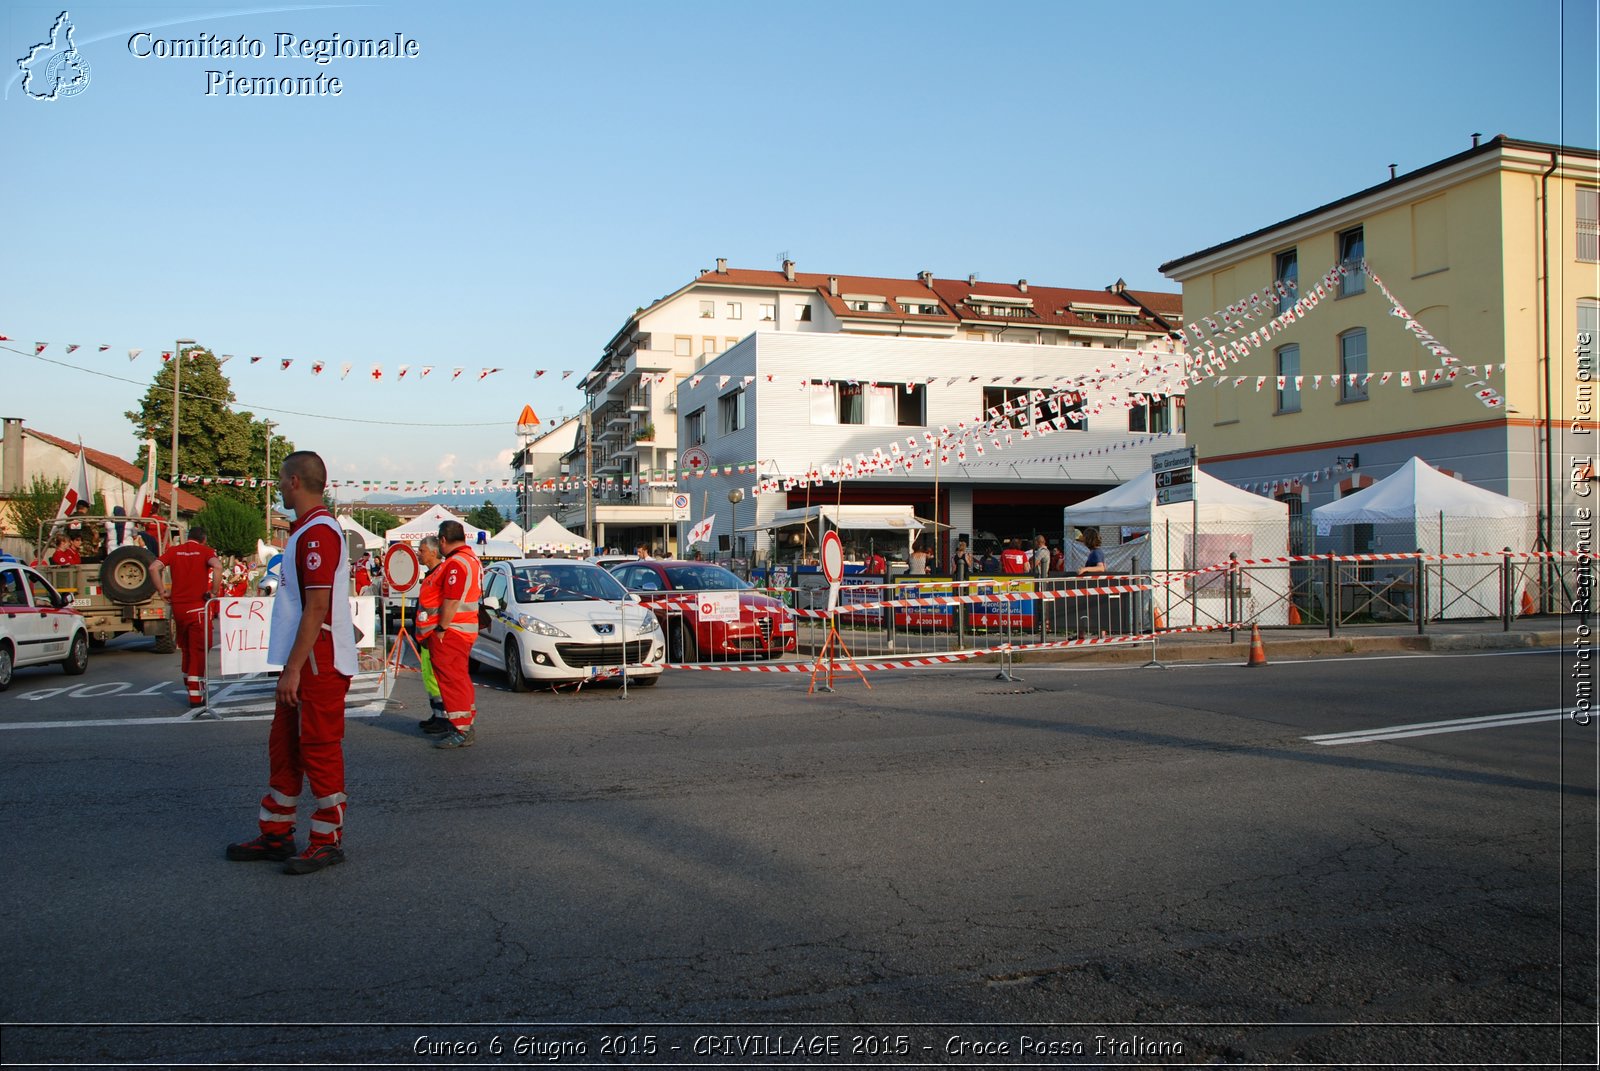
<point x="177" y="379"/>
<point x="268" y="507"/>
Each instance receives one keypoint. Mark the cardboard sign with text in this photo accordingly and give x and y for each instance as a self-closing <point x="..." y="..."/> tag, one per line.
<point x="243" y="627"/>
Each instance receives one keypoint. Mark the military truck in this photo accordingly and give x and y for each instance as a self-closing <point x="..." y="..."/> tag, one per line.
<point x="117" y="593"/>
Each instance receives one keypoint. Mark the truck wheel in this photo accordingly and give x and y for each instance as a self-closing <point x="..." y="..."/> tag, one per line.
<point x="77" y="659"/>
<point x="125" y="575"/>
<point x="166" y="642"/>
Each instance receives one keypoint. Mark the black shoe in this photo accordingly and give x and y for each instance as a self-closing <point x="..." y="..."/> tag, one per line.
<point x="457" y="738"/>
<point x="435" y="726"/>
<point x="268" y="847"/>
<point x="314" y="858"/>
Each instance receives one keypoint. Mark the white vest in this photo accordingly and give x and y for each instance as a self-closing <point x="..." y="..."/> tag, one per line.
<point x="287" y="607"/>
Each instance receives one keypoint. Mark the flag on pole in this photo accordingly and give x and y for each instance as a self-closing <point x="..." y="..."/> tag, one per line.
<point x="702" y="531"/>
<point x="77" y="490"/>
<point x="144" y="503"/>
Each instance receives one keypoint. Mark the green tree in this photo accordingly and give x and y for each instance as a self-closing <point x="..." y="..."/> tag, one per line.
<point x="487" y="517"/>
<point x="213" y="438"/>
<point x="231" y="526"/>
<point x="37" y="505"/>
<point x="376" y="521"/>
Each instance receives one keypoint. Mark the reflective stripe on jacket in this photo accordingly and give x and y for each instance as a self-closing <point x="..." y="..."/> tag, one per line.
<point x="466" y="615"/>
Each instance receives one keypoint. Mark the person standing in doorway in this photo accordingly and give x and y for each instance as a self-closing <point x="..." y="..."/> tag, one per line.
<point x="314" y="640"/>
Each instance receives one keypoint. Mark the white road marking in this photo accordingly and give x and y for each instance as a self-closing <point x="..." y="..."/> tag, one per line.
<point x="1431" y="728"/>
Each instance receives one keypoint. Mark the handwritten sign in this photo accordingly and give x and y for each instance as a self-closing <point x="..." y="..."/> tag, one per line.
<point x="244" y="627"/>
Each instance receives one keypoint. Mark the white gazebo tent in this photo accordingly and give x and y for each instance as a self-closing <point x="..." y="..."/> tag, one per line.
<point x="548" y="537"/>
<point x="369" y="539"/>
<point x="511" y="533"/>
<point x="427" y="524"/>
<point x="1419" y="507"/>
<point x="1230" y="520"/>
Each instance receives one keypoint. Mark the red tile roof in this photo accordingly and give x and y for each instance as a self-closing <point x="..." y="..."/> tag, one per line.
<point x="126" y="471"/>
<point x="1050" y="304"/>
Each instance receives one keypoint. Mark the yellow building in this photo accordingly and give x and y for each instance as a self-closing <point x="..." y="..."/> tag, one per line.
<point x="1496" y="251"/>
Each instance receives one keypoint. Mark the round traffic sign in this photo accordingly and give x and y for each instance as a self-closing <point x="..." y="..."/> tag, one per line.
<point x="832" y="557"/>
<point x="401" y="567"/>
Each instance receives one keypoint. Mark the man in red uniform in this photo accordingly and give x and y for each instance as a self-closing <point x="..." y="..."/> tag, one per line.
<point x="313" y="639"/>
<point x="460" y="589"/>
<point x="195" y="575"/>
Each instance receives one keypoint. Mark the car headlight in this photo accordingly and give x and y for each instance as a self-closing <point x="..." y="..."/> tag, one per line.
<point x="538" y="627"/>
<point x="649" y="624"/>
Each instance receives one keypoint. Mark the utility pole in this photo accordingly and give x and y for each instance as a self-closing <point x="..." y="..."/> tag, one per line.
<point x="177" y="379"/>
<point x="588" y="469"/>
<point x="268" y="507"/>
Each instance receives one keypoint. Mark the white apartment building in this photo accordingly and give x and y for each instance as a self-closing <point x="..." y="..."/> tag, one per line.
<point x="793" y="403"/>
<point x="633" y="441"/>
<point x="539" y="467"/>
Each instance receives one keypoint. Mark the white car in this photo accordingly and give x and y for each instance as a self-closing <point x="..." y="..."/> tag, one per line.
<point x="554" y="620"/>
<point x="37" y="625"/>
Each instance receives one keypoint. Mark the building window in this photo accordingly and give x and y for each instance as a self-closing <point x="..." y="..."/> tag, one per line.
<point x="735" y="310"/>
<point x="694" y="427"/>
<point x="1288" y="370"/>
<point x="1588" y="224"/>
<point x="1286" y="270"/>
<point x="1154" y="415"/>
<point x="1009" y="403"/>
<point x="1352" y="251"/>
<point x="852" y="407"/>
<point x="683" y="345"/>
<point x="769" y="312"/>
<point x="802" y="313"/>
<point x="708" y="344"/>
<point x="730" y="408"/>
<point x="824" y="405"/>
<point x="911" y="405"/>
<point x="708" y="309"/>
<point x="1353" y="361"/>
<point x="1070" y="407"/>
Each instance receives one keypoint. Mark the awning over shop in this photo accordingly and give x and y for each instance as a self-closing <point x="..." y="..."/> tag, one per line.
<point x="877" y="518"/>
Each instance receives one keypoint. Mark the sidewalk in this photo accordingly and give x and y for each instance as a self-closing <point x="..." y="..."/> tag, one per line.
<point x="1314" y="642"/>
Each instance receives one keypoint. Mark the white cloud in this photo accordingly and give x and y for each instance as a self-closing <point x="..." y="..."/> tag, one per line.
<point x="447" y="465"/>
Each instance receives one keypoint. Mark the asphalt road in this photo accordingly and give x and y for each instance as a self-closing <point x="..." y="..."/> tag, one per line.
<point x="1114" y="865"/>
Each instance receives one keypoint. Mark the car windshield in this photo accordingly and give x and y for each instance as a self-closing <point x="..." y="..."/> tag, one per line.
<point x="702" y="578"/>
<point x="557" y="582"/>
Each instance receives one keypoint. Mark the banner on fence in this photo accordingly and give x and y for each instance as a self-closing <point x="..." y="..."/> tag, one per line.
<point x="245" y="625"/>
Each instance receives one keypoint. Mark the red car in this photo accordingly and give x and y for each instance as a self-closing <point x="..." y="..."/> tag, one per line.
<point x="765" y="628"/>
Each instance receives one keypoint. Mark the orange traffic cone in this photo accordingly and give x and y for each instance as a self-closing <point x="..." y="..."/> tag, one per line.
<point x="1258" y="654"/>
<point x="1528" y="609"/>
<point x="1161" y="622"/>
<point x="1294" y="614"/>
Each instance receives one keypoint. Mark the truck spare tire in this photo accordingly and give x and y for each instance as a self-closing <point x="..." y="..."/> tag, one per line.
<point x="125" y="575"/>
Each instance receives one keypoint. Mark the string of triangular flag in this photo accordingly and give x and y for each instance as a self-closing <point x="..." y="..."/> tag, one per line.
<point x="1290" y="483"/>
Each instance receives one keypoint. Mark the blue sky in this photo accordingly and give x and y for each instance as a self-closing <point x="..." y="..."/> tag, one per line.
<point x="508" y="197"/>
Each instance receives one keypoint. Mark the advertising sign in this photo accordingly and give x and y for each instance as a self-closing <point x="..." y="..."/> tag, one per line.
<point x="718" y="605"/>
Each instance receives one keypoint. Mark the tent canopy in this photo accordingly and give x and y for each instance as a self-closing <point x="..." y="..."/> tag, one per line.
<point x="428" y="525"/>
<point x="1134" y="504"/>
<point x="882" y="518"/>
<point x="370" y="539"/>
<point x="511" y="533"/>
<point x="549" y="536"/>
<point x="1418" y="490"/>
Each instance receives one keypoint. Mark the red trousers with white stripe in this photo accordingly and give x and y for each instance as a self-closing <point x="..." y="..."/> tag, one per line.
<point x="189" y="633"/>
<point x="448" y="650"/>
<point x="307" y="744"/>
